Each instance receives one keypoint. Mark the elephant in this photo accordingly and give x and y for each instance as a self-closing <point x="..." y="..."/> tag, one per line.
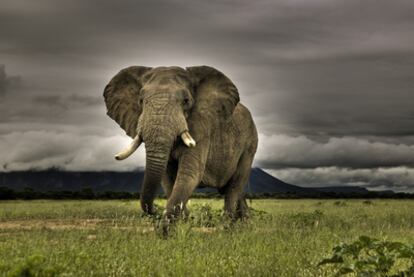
<point x="195" y="131"/>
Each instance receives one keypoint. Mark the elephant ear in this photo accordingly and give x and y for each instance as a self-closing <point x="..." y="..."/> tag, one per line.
<point x="213" y="91"/>
<point x="122" y="96"/>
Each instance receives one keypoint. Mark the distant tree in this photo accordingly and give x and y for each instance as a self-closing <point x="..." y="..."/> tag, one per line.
<point x="87" y="193"/>
<point x="29" y="194"/>
<point x="7" y="193"/>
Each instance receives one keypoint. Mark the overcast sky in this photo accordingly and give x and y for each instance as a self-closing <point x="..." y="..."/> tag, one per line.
<point x="330" y="83"/>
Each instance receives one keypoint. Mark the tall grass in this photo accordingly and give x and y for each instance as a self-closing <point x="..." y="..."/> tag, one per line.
<point x="112" y="238"/>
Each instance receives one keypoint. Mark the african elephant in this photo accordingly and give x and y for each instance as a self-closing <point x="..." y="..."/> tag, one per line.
<point x="195" y="130"/>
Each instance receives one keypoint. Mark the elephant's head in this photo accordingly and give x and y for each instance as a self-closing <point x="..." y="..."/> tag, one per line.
<point x="153" y="105"/>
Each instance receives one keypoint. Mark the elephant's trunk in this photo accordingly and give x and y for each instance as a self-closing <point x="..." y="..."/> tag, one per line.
<point x="157" y="155"/>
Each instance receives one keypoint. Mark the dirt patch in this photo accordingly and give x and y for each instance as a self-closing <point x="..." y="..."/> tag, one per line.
<point x="51" y="224"/>
<point x="82" y="224"/>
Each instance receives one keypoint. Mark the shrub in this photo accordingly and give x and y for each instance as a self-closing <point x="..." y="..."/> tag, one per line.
<point x="34" y="265"/>
<point x="203" y="215"/>
<point x="371" y="257"/>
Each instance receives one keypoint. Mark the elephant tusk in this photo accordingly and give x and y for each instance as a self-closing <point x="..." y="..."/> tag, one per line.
<point x="130" y="149"/>
<point x="188" y="139"/>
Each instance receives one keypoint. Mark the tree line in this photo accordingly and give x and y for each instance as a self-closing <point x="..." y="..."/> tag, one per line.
<point x="87" y="193"/>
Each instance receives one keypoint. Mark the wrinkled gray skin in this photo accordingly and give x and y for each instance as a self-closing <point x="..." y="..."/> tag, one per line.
<point x="160" y="104"/>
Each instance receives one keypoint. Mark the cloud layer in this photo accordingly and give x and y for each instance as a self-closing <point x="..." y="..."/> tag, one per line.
<point x="399" y="179"/>
<point x="329" y="83"/>
<point x="39" y="150"/>
<point x="279" y="151"/>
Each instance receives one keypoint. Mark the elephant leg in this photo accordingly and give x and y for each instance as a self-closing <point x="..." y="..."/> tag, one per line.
<point x="235" y="205"/>
<point x="168" y="184"/>
<point x="242" y="210"/>
<point x="168" y="178"/>
<point x="191" y="167"/>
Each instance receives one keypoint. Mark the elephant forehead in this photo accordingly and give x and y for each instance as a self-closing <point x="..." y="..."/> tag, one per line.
<point x="166" y="80"/>
<point x="163" y="94"/>
<point x="166" y="85"/>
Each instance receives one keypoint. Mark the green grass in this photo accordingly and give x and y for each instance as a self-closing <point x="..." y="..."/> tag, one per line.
<point x="111" y="238"/>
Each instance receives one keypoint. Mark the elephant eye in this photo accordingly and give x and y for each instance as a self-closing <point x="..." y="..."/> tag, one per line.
<point x="186" y="101"/>
<point x="141" y="101"/>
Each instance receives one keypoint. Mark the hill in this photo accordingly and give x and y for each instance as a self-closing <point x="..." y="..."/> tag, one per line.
<point x="260" y="183"/>
<point x="56" y="180"/>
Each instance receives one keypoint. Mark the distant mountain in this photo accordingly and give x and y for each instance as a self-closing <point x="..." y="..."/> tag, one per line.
<point x="260" y="182"/>
<point x="57" y="180"/>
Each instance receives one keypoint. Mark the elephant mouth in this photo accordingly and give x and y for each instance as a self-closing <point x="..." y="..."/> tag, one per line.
<point x="136" y="142"/>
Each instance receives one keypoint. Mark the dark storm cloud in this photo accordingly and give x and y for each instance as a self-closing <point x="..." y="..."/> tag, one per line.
<point x="329" y="83"/>
<point x="3" y="80"/>
<point x="352" y="95"/>
<point x="7" y="82"/>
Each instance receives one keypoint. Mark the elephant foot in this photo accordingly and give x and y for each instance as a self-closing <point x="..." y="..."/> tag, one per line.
<point x="237" y="216"/>
<point x="150" y="209"/>
<point x="165" y="227"/>
<point x="242" y="211"/>
<point x="167" y="223"/>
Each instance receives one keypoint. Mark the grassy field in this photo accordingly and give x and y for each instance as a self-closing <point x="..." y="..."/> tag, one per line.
<point x="111" y="238"/>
